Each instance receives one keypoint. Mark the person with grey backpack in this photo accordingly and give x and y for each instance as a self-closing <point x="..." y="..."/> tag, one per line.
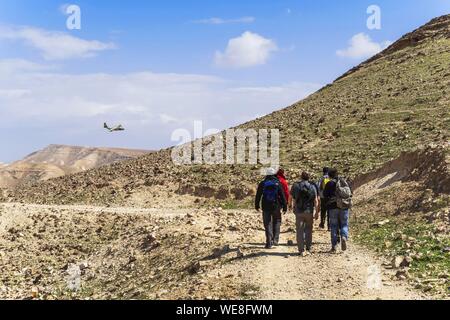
<point x="338" y="196"/>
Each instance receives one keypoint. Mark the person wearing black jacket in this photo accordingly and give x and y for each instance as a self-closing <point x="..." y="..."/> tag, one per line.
<point x="271" y="196"/>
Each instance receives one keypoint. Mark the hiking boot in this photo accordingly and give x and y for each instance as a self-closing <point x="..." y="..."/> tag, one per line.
<point x="343" y="244"/>
<point x="269" y="246"/>
<point x="333" y="250"/>
<point x="275" y="244"/>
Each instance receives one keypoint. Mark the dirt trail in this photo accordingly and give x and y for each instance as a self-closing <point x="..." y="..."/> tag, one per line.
<point x="280" y="274"/>
<point x="98" y="209"/>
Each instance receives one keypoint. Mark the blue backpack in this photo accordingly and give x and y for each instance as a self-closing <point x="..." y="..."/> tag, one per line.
<point x="270" y="191"/>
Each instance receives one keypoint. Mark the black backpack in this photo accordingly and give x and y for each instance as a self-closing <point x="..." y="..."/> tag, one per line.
<point x="305" y="196"/>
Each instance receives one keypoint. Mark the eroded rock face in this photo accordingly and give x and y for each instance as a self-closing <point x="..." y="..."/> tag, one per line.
<point x="428" y="165"/>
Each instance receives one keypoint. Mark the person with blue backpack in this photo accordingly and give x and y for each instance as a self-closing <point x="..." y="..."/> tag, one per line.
<point x="305" y="200"/>
<point x="270" y="196"/>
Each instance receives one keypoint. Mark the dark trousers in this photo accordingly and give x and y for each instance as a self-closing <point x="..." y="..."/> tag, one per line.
<point x="272" y="225"/>
<point x="324" y="216"/>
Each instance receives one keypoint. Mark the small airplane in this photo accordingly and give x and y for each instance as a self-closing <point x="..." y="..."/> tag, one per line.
<point x="113" y="129"/>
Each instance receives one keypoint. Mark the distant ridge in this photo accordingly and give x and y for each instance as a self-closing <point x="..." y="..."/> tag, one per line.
<point x="58" y="160"/>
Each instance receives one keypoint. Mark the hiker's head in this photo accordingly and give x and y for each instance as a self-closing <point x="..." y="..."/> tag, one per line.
<point x="305" y="176"/>
<point x="326" y="170"/>
<point x="271" y="172"/>
<point x="280" y="172"/>
<point x="333" y="173"/>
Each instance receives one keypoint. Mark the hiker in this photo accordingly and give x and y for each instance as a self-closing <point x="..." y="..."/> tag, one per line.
<point x="278" y="218"/>
<point x="270" y="193"/>
<point x="323" y="205"/>
<point x="316" y="187"/>
<point x="338" y="195"/>
<point x="282" y="178"/>
<point x="304" y="199"/>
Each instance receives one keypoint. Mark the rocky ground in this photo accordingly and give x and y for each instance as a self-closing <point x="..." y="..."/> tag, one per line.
<point x="83" y="252"/>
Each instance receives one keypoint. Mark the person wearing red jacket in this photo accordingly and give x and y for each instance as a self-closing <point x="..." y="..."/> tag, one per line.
<point x="277" y="220"/>
<point x="282" y="178"/>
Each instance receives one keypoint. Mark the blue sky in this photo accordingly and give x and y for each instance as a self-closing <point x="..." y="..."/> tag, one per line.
<point x="156" y="66"/>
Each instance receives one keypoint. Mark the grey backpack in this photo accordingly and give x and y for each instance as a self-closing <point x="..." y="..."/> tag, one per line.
<point x="343" y="195"/>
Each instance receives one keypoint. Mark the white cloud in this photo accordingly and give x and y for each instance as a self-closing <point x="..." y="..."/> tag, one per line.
<point x="166" y="119"/>
<point x="8" y="66"/>
<point x="362" y="46"/>
<point x="150" y="105"/>
<point x="225" y="21"/>
<point x="54" y="45"/>
<point x="14" y="93"/>
<point x="291" y="89"/>
<point x="248" y="50"/>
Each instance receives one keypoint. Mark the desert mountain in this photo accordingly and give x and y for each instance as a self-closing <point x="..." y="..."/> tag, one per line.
<point x="59" y="160"/>
<point x="395" y="102"/>
<point x="384" y="124"/>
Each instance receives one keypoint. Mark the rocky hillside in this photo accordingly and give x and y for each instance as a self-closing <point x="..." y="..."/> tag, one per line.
<point x="58" y="160"/>
<point x="402" y="211"/>
<point x="395" y="102"/>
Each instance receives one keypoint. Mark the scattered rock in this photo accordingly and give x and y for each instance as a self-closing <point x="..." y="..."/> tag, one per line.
<point x="401" y="262"/>
<point x="149" y="243"/>
<point x="381" y="223"/>
<point x="402" y="274"/>
<point x="239" y="253"/>
<point x="218" y="252"/>
<point x="194" y="268"/>
<point x="34" y="292"/>
<point x="37" y="279"/>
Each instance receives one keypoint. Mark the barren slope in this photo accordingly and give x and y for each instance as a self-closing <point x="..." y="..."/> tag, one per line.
<point x="59" y="160"/>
